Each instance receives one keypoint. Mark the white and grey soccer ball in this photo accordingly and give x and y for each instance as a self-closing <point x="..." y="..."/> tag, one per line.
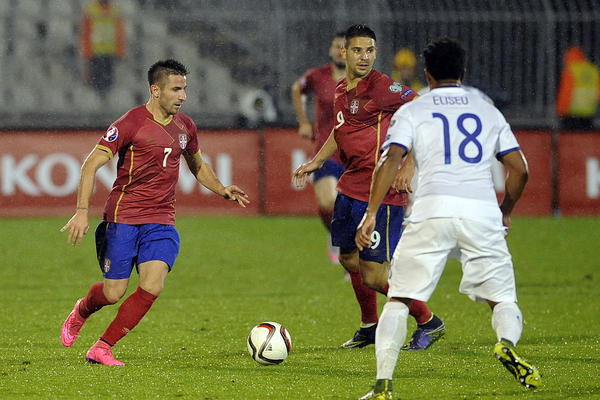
<point x="269" y="343"/>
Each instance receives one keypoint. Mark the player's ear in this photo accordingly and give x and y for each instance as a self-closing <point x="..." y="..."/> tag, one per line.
<point x="430" y="78"/>
<point x="155" y="90"/>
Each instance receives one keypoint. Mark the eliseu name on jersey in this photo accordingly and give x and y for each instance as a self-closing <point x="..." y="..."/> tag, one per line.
<point x="450" y="100"/>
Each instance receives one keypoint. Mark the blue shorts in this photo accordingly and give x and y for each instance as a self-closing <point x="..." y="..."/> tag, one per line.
<point x="347" y="214"/>
<point x="119" y="247"/>
<point x="329" y="168"/>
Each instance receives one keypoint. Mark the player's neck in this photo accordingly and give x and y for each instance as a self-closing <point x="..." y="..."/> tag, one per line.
<point x="157" y="111"/>
<point x="445" y="83"/>
<point x="337" y="73"/>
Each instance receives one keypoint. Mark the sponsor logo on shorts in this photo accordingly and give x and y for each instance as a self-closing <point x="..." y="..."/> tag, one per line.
<point x="111" y="134"/>
<point x="182" y="140"/>
<point x="106" y="265"/>
<point x="354" y="106"/>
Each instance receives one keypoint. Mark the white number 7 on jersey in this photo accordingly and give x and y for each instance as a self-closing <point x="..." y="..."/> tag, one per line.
<point x="168" y="151"/>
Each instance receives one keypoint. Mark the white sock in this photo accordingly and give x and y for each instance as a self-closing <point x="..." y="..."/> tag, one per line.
<point x="389" y="337"/>
<point x="507" y="321"/>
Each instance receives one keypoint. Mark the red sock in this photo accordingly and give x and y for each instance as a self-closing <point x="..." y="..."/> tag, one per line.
<point x="94" y="300"/>
<point x="129" y="315"/>
<point x="367" y="299"/>
<point x="420" y="311"/>
<point x="326" y="218"/>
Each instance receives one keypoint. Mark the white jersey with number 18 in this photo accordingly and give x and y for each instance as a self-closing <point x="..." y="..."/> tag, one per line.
<point x="454" y="135"/>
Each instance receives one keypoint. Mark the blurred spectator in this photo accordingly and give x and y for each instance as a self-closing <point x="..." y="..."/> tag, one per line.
<point x="256" y="109"/>
<point x="102" y="42"/>
<point x="578" y="91"/>
<point x="404" y="71"/>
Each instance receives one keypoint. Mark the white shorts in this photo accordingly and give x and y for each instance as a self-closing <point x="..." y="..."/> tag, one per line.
<point x="424" y="248"/>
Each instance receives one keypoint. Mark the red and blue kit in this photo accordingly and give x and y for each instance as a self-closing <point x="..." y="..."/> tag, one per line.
<point x="362" y="117"/>
<point x="148" y="168"/>
<point x="320" y="82"/>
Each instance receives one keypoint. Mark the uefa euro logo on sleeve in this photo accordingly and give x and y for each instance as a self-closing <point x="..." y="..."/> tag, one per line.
<point x="111" y="134"/>
<point x="182" y="140"/>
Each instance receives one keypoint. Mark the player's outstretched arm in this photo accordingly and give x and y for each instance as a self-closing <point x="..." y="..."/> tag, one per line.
<point x="301" y="174"/>
<point x="206" y="176"/>
<point x="402" y="181"/>
<point x="79" y="224"/>
<point x="384" y="175"/>
<point x="516" y="178"/>
<point x="299" y="101"/>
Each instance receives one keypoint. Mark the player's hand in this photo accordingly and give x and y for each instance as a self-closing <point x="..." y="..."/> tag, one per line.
<point x="234" y="193"/>
<point x="302" y="173"/>
<point x="305" y="131"/>
<point x="506" y="223"/>
<point x="403" y="179"/>
<point x="78" y="226"/>
<point x="364" y="231"/>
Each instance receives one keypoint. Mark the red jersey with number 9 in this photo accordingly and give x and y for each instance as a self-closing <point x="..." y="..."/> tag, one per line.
<point x="148" y="167"/>
<point x="362" y="117"/>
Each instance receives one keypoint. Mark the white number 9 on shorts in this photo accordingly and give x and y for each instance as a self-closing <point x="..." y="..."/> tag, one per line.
<point x="375" y="239"/>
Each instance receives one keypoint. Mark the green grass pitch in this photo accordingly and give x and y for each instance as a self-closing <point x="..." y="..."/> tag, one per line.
<point x="233" y="273"/>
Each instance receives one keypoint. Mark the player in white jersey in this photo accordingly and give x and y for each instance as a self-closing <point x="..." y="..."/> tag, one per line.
<point x="454" y="136"/>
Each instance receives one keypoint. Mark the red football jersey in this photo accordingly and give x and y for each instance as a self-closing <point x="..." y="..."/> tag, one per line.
<point x="320" y="82"/>
<point x="148" y="166"/>
<point x="362" y="117"/>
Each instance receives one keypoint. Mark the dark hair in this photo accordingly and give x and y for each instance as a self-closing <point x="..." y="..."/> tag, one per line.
<point x="445" y="58"/>
<point x="161" y="69"/>
<point x="358" y="30"/>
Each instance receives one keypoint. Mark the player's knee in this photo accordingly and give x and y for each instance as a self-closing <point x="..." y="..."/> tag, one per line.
<point x="154" y="288"/>
<point x="373" y="281"/>
<point x="349" y="261"/>
<point x="114" y="295"/>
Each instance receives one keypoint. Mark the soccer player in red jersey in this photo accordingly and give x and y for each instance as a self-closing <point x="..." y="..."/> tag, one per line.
<point x="139" y="216"/>
<point x="321" y="82"/>
<point x="365" y="101"/>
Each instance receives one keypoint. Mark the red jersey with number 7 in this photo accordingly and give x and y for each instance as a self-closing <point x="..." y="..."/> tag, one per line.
<point x="362" y="117"/>
<point x="148" y="167"/>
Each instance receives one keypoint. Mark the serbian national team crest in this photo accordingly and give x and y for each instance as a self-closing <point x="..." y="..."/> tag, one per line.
<point x="354" y="106"/>
<point x="106" y="265"/>
<point x="182" y="140"/>
<point x="111" y="134"/>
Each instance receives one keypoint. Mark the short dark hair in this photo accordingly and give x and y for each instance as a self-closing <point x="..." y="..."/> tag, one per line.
<point x="161" y="69"/>
<point x="445" y="58"/>
<point x="358" y="30"/>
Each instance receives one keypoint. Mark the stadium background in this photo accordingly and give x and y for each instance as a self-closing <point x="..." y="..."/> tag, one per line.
<point x="237" y="49"/>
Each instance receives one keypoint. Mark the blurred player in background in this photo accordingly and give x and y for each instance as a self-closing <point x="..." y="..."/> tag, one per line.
<point x="405" y="69"/>
<point x="139" y="216"/>
<point x="321" y="81"/>
<point x="102" y="43"/>
<point x="454" y="135"/>
<point x="364" y="103"/>
<point x="578" y="91"/>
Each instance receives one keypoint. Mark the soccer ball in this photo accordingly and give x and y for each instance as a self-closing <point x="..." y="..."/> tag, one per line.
<point x="269" y="343"/>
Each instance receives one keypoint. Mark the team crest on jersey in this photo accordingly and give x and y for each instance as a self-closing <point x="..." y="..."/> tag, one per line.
<point x="396" y="87"/>
<point x="354" y="106"/>
<point x="111" y="134"/>
<point x="182" y="140"/>
<point x="106" y="267"/>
